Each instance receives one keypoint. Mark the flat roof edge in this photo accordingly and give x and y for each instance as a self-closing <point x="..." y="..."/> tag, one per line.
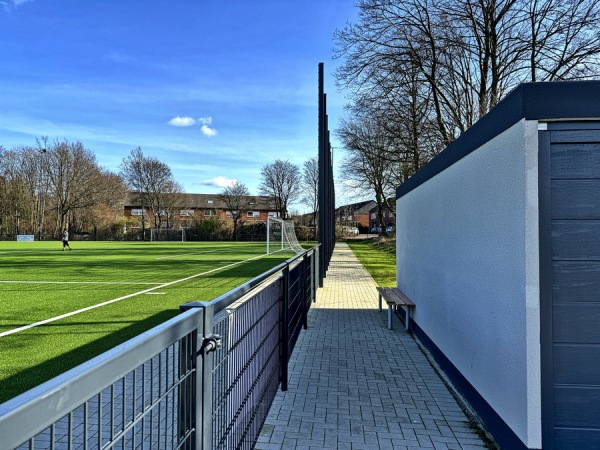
<point x="574" y="100"/>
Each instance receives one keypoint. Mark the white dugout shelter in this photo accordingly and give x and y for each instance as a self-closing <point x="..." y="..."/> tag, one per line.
<point x="498" y="245"/>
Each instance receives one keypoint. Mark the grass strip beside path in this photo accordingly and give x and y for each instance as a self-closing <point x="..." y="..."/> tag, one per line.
<point x="378" y="257"/>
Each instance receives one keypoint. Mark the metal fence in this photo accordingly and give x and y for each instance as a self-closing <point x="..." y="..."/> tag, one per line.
<point x="203" y="380"/>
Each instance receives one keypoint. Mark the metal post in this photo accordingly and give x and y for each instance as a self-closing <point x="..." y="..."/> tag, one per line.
<point x="285" y="328"/>
<point x="305" y="293"/>
<point x="205" y="386"/>
<point x="187" y="391"/>
<point x="268" y="234"/>
<point x="322" y="168"/>
<point x="202" y="391"/>
<point x="317" y="282"/>
<point x="41" y="195"/>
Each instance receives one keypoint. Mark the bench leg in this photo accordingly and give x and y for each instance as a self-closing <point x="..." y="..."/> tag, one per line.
<point x="390" y="312"/>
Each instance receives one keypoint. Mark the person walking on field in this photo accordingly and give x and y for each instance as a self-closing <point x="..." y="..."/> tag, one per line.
<point x="65" y="240"/>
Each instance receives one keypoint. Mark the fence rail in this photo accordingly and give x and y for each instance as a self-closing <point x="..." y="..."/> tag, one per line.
<point x="203" y="380"/>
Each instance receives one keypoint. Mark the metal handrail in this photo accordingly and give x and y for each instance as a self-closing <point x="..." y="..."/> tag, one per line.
<point x="189" y="366"/>
<point x="57" y="397"/>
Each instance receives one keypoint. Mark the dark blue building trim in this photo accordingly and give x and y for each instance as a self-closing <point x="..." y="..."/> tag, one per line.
<point x="493" y="423"/>
<point x="531" y="101"/>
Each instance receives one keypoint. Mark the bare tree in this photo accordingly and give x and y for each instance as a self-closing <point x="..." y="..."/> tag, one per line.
<point x="72" y="174"/>
<point x="152" y="180"/>
<point x="172" y="200"/>
<point x="63" y="176"/>
<point x="366" y="167"/>
<point x="235" y="198"/>
<point x="465" y="55"/>
<point x="310" y="188"/>
<point x="108" y="205"/>
<point x="281" y="181"/>
<point x="562" y="39"/>
<point x="17" y="201"/>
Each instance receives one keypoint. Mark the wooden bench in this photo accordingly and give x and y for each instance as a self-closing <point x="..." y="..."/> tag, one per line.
<point x="394" y="298"/>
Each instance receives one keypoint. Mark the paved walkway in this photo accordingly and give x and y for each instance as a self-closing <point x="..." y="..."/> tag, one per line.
<point x="354" y="384"/>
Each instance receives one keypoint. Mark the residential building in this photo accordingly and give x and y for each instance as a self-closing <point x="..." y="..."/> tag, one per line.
<point x="199" y="207"/>
<point x="388" y="218"/>
<point x="355" y="214"/>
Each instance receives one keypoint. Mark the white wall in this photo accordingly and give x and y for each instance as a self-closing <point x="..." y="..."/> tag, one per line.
<point x="467" y="255"/>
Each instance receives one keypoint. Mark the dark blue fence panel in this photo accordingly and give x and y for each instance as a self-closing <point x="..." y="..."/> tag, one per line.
<point x="258" y="324"/>
<point x="246" y="368"/>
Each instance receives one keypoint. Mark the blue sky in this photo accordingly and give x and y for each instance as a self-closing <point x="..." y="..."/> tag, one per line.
<point x="215" y="89"/>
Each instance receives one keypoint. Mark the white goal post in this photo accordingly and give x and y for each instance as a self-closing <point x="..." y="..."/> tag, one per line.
<point x="282" y="236"/>
<point x="167" y="234"/>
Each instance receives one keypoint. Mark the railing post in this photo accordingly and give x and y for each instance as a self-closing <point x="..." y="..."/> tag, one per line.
<point x="285" y="328"/>
<point x="187" y="390"/>
<point x="202" y="385"/>
<point x="205" y="385"/>
<point x="315" y="265"/>
<point x="305" y="292"/>
<point x="318" y="267"/>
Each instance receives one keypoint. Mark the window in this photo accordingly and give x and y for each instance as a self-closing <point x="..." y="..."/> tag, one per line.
<point x="273" y="214"/>
<point x="186" y="212"/>
<point x="231" y="213"/>
<point x="373" y="216"/>
<point x="210" y="202"/>
<point x="210" y="212"/>
<point x="253" y="214"/>
<point x="137" y="212"/>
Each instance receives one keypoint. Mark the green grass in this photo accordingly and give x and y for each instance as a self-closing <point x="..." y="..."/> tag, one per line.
<point x="378" y="257"/>
<point x="38" y="281"/>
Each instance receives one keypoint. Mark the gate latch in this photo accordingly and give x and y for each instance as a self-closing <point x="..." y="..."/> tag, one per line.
<point x="210" y="343"/>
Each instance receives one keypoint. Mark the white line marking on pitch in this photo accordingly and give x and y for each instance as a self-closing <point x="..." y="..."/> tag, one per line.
<point x="77" y="282"/>
<point x="198" y="253"/>
<point x="186" y="254"/>
<point x="145" y="291"/>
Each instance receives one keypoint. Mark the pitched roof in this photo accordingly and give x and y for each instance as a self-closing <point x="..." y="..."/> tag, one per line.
<point x="357" y="208"/>
<point x="208" y="201"/>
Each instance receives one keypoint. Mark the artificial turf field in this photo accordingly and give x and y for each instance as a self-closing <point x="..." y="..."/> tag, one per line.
<point x="116" y="291"/>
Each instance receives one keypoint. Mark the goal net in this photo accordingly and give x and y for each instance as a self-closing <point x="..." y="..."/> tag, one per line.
<point x="167" y="234"/>
<point x="282" y="236"/>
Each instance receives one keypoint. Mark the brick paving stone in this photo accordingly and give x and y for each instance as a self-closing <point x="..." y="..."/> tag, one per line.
<point x="354" y="384"/>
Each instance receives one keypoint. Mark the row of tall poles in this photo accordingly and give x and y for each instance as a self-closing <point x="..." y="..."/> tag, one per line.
<point x="326" y="186"/>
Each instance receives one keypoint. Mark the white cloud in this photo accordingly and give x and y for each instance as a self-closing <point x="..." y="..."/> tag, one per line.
<point x="208" y="131"/>
<point x="185" y="121"/>
<point x="7" y="5"/>
<point x="218" y="182"/>
<point x="182" y="121"/>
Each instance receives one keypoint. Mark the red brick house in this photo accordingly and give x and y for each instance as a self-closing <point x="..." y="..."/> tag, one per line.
<point x="388" y="218"/>
<point x="355" y="214"/>
<point x="200" y="207"/>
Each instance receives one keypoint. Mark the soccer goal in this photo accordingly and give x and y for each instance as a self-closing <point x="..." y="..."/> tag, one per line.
<point x="282" y="236"/>
<point x="167" y="234"/>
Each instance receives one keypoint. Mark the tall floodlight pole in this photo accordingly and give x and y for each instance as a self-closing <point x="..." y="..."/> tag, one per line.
<point x="41" y="193"/>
